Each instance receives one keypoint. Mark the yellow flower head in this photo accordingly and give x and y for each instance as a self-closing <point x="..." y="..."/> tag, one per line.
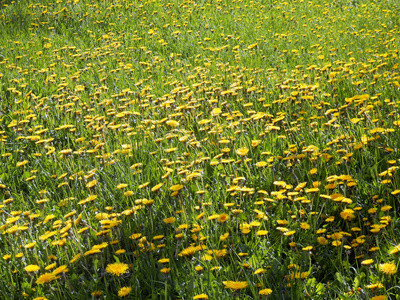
<point x="388" y="268"/>
<point x="117" y="269"/>
<point x="242" y="151"/>
<point x="235" y="285"/>
<point x="124" y="291"/>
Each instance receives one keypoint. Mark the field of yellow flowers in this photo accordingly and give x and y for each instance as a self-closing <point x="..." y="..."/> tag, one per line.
<point x="199" y="149"/>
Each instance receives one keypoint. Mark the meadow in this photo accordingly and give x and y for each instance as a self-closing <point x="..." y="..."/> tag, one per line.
<point x="199" y="149"/>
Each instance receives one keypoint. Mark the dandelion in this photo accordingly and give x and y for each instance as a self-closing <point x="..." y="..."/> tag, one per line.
<point x="379" y="297"/>
<point x="117" y="269"/>
<point x="347" y="214"/>
<point x="262" y="232"/>
<point x="92" y="251"/>
<point x="169" y="220"/>
<point x="201" y="296"/>
<point x="367" y="262"/>
<point x="60" y="269"/>
<point x="235" y="285"/>
<point x="165" y="270"/>
<point x="45" y="278"/>
<point x="91" y="184"/>
<point x="32" y="268"/>
<point x="388" y="268"/>
<point x="222" y="218"/>
<point x="242" y="151"/>
<point x="124" y="291"/>
<point x="265" y="292"/>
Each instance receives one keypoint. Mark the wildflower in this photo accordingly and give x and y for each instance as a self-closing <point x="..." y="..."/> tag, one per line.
<point x="262" y="232"/>
<point x="379" y="297"/>
<point x="60" y="269"/>
<point x="265" y="292"/>
<point x="75" y="258"/>
<point x="46" y="277"/>
<point x="347" y="214"/>
<point x="117" y="269"/>
<point x="92" y="251"/>
<point x="169" y="220"/>
<point x="32" y="268"/>
<point x="51" y="266"/>
<point x="201" y="296"/>
<point x="388" y="268"/>
<point x="235" y="285"/>
<point x="304" y="226"/>
<point x="242" y="151"/>
<point x="198" y="268"/>
<point x="165" y="270"/>
<point x="259" y="271"/>
<point x="222" y="218"/>
<point x="91" y="184"/>
<point x="124" y="291"/>
<point x="96" y="293"/>
<point x="157" y="187"/>
<point x="367" y="262"/>
<point x="395" y="250"/>
<point x="224" y="236"/>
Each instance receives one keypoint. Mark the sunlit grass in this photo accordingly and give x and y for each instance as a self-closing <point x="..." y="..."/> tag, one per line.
<point x="199" y="150"/>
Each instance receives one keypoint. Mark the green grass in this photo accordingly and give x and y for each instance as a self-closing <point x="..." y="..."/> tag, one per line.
<point x="268" y="130"/>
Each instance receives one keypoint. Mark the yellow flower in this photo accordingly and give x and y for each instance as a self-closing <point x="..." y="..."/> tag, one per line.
<point x="92" y="251"/>
<point x="388" y="268"/>
<point x="305" y="226"/>
<point x="379" y="297"/>
<point x="117" y="269"/>
<point x="222" y="218"/>
<point x="198" y="268"/>
<point x="322" y="241"/>
<point x="157" y="187"/>
<point x="201" y="296"/>
<point x="135" y="236"/>
<point x="235" y="285"/>
<point x="262" y="232"/>
<point x="265" y="292"/>
<point x="124" y="291"/>
<point x="224" y="237"/>
<point x="97" y="293"/>
<point x="51" y="266"/>
<point x="176" y="188"/>
<point x="46" y="277"/>
<point x="121" y="186"/>
<point x="165" y="270"/>
<point x="60" y="269"/>
<point x="128" y="193"/>
<point x="367" y="262"/>
<point x="347" y="214"/>
<point x="75" y="258"/>
<point x="259" y="271"/>
<point x="395" y="250"/>
<point x="172" y="123"/>
<point x="169" y="220"/>
<point x="313" y="171"/>
<point x="91" y="184"/>
<point x="242" y="151"/>
<point x="32" y="268"/>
